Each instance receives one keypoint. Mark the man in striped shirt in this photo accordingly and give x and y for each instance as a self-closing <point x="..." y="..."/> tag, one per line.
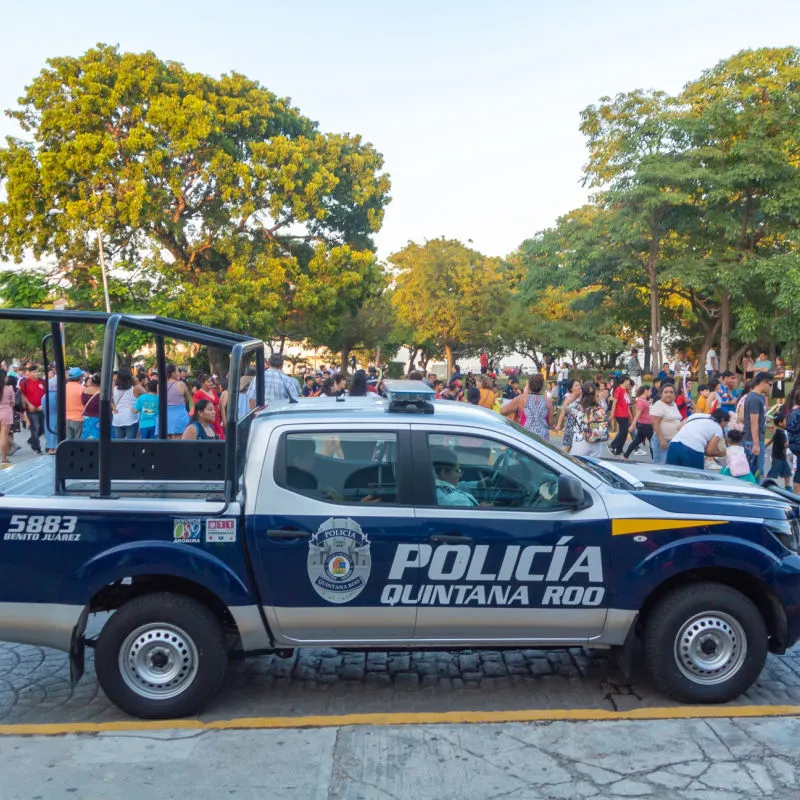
<point x="277" y="386"/>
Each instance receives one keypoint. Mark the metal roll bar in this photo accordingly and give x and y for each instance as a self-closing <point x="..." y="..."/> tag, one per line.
<point x="237" y="345"/>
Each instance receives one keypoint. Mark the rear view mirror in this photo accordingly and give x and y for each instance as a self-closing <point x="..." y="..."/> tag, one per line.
<point x="570" y="491"/>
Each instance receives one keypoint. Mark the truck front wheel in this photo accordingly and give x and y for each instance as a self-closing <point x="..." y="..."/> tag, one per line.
<point x="705" y="643"/>
<point x="161" y="656"/>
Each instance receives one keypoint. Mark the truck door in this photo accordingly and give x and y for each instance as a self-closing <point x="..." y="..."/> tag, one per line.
<point x="333" y="503"/>
<point x="499" y="558"/>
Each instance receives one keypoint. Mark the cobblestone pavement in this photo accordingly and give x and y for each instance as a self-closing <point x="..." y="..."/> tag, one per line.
<point x="718" y="759"/>
<point x="34" y="684"/>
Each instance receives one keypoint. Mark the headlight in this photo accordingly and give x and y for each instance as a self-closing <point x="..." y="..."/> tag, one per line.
<point x="787" y="532"/>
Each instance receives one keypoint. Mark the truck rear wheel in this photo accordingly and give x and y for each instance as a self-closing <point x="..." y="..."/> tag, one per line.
<point x="705" y="643"/>
<point x="161" y="656"/>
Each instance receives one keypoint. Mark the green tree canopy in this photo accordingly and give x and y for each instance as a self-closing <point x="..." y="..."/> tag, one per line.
<point x="743" y="120"/>
<point x="229" y="203"/>
<point x="449" y="295"/>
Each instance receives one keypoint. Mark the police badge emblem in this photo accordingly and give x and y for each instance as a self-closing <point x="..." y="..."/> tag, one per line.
<point x="339" y="560"/>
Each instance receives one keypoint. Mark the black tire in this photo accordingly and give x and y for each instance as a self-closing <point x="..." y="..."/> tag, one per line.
<point x="190" y="633"/>
<point x="700" y="602"/>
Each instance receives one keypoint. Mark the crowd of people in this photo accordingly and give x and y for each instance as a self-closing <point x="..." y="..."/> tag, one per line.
<point x="29" y="401"/>
<point x="722" y="424"/>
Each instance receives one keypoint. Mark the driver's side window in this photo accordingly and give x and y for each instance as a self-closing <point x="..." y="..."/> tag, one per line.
<point x="475" y="472"/>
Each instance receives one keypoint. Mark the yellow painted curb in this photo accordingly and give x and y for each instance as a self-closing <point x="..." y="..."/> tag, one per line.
<point x="400" y="718"/>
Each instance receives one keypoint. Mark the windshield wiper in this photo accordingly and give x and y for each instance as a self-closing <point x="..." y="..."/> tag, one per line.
<point x="606" y="475"/>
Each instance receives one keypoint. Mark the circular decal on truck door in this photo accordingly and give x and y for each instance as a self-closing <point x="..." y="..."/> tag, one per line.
<point x="339" y="560"/>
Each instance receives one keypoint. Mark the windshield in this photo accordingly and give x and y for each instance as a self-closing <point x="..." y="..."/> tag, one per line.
<point x="599" y="471"/>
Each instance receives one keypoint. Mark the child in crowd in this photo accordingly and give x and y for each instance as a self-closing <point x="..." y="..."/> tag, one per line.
<point x="702" y="399"/>
<point x="601" y="394"/>
<point x="736" y="463"/>
<point x="147" y="406"/>
<point x="684" y="402"/>
<point x="780" y="467"/>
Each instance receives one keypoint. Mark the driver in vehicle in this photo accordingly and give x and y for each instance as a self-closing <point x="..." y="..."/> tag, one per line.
<point x="450" y="490"/>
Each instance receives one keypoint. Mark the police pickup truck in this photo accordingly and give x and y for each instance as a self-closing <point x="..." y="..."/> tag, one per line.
<point x="395" y="523"/>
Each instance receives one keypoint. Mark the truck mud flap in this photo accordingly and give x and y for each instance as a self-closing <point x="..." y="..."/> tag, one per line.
<point x="623" y="655"/>
<point x="77" y="649"/>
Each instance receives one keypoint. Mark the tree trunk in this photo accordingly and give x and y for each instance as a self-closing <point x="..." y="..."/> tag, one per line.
<point x="736" y="356"/>
<point x="648" y="357"/>
<point x="725" y="329"/>
<point x="218" y="361"/>
<point x="378" y="356"/>
<point x="412" y="358"/>
<point x="655" y="305"/>
<point x="448" y="354"/>
<point x="708" y="340"/>
<point x="345" y="358"/>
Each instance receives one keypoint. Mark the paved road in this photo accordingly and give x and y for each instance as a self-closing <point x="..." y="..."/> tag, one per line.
<point x="683" y="759"/>
<point x="34" y="684"/>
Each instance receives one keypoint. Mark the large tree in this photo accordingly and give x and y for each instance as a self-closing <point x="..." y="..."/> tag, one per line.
<point x="449" y="295"/>
<point x="230" y="203"/>
<point x="637" y="160"/>
<point x="743" y="119"/>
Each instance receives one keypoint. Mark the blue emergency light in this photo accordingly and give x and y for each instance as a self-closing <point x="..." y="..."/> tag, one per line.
<point x="409" y="396"/>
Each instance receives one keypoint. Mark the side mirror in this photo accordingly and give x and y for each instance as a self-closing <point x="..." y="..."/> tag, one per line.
<point x="570" y="491"/>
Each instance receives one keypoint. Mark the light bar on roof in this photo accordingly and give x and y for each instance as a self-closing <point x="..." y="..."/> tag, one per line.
<point x="409" y="396"/>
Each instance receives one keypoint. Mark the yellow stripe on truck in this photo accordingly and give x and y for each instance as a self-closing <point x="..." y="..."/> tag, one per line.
<point x="625" y="527"/>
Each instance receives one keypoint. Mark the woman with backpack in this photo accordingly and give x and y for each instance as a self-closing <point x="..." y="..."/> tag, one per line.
<point x="589" y="423"/>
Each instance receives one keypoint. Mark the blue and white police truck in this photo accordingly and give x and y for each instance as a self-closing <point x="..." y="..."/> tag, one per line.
<point x="374" y="523"/>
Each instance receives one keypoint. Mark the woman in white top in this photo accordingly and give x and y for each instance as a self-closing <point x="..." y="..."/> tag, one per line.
<point x="125" y="422"/>
<point x="699" y="436"/>
<point x="666" y="419"/>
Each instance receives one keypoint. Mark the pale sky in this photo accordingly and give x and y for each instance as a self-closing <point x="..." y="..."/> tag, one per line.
<point x="474" y="105"/>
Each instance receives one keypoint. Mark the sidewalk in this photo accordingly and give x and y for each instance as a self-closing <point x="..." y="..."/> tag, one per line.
<point x="715" y="759"/>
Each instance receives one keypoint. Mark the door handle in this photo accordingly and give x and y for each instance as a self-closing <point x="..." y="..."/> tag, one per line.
<point x="288" y="533"/>
<point x="449" y="538"/>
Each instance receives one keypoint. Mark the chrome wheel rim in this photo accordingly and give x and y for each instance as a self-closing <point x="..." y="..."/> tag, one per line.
<point x="158" y="661"/>
<point x="710" y="648"/>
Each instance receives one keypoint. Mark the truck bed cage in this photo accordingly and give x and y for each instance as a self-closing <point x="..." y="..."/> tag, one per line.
<point x="108" y="460"/>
